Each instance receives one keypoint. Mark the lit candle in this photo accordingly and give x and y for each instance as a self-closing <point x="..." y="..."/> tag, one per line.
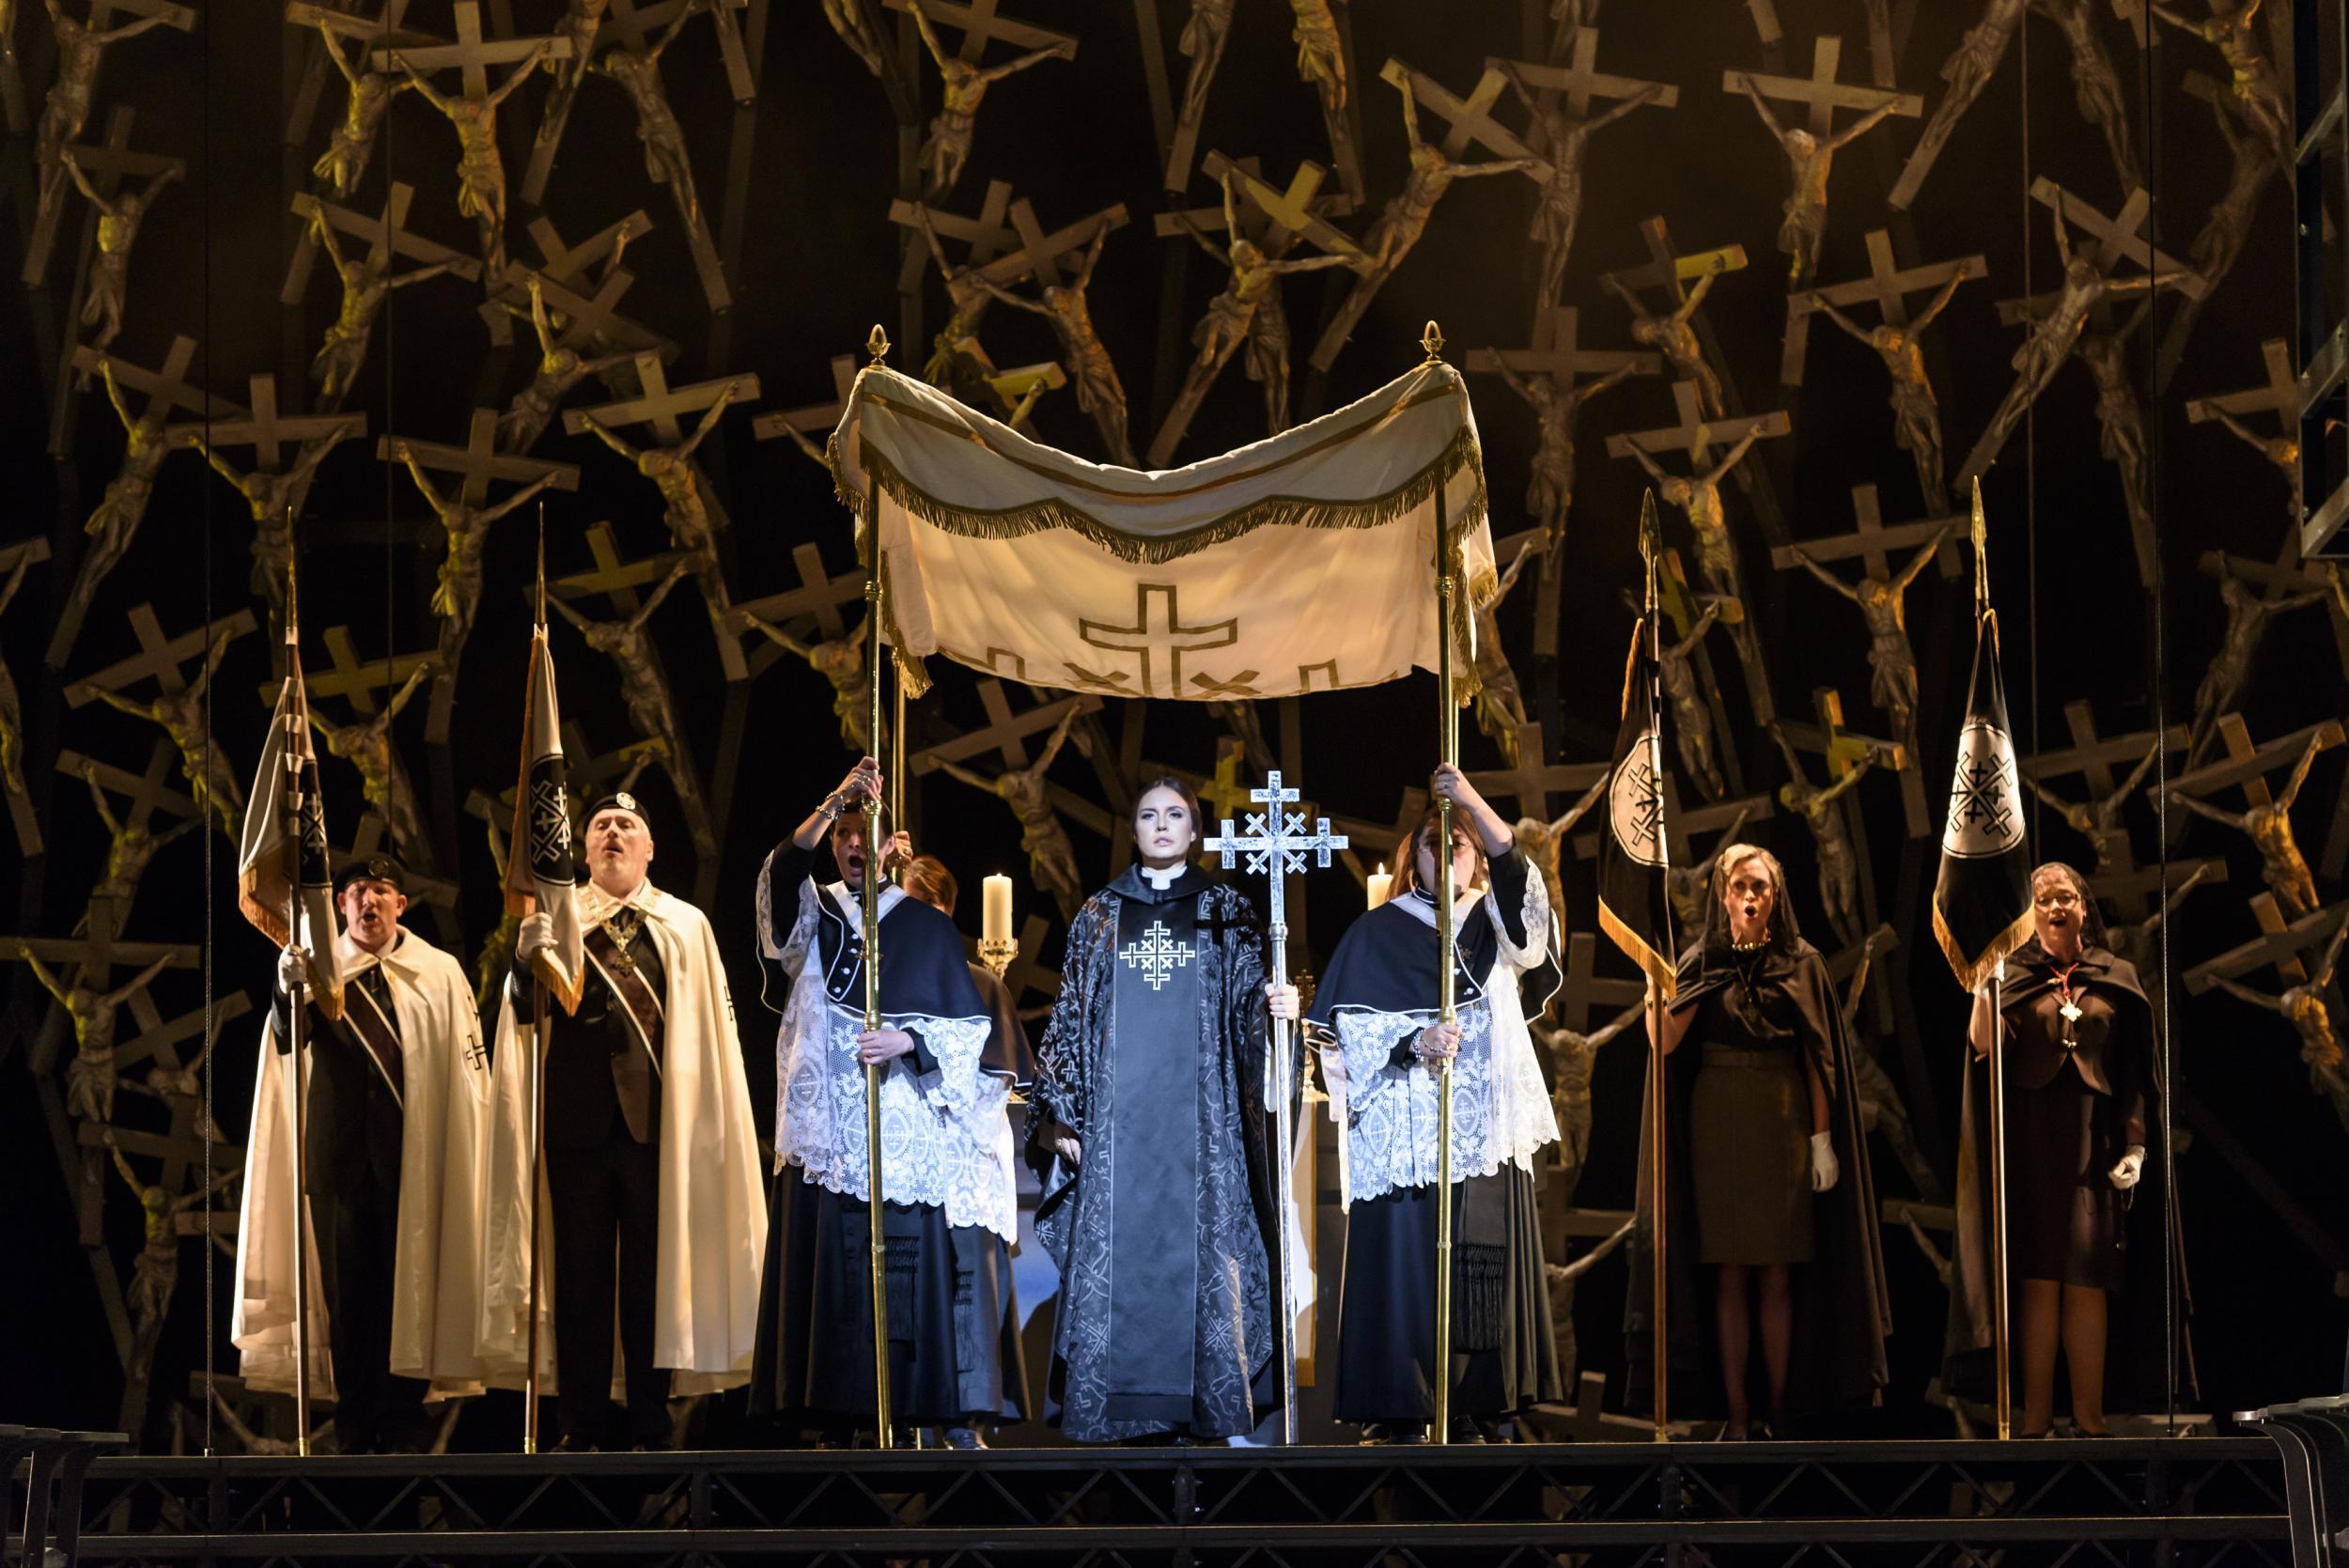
<point x="995" y="912"/>
<point x="1380" y="882"/>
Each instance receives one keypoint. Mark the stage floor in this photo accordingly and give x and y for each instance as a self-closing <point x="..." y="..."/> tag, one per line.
<point x="2155" y="1501"/>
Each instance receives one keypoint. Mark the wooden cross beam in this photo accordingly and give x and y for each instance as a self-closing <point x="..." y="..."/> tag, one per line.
<point x="633" y="24"/>
<point x="2280" y="396"/>
<point x="978" y="25"/>
<point x="1584" y="990"/>
<point x="2120" y="238"/>
<point x="1530" y="783"/>
<point x="818" y="599"/>
<point x="163" y="1038"/>
<point x="157" y="1145"/>
<point x="146" y="791"/>
<point x="2290" y="573"/>
<point x="349" y="676"/>
<point x="2095" y="758"/>
<point x="265" y="431"/>
<point x="1039" y="253"/>
<point x="2250" y="765"/>
<point x="614" y="578"/>
<point x="570" y="264"/>
<point x="1468" y="122"/>
<point x="591" y="770"/>
<point x="983" y="237"/>
<point x="1874" y="543"/>
<point x="479" y="461"/>
<point x="586" y="319"/>
<point x="1820" y="92"/>
<point x="106" y="164"/>
<point x="385" y="235"/>
<point x="2145" y="882"/>
<point x="167" y="388"/>
<point x="1887" y="287"/>
<point x="2270" y="947"/>
<point x="35" y="550"/>
<point x="1019" y="388"/>
<point x="1303" y="194"/>
<point x="1843" y="749"/>
<point x="470" y="54"/>
<point x="816" y="417"/>
<point x="57" y="951"/>
<point x="659" y="405"/>
<point x="1581" y="81"/>
<point x="1297" y="208"/>
<point x="1696" y="435"/>
<point x="1371" y="843"/>
<point x="158" y="656"/>
<point x="385" y="27"/>
<point x="1555" y="353"/>
<point x="1004" y="732"/>
<point x="1684" y="270"/>
<point x="370" y="840"/>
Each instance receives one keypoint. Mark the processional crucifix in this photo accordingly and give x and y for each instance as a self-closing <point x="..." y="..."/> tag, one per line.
<point x="1276" y="844"/>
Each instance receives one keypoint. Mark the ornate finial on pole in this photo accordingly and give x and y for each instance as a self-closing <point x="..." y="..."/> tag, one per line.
<point x="1650" y="545"/>
<point x="1432" y="340"/>
<point x="1982" y="552"/>
<point x="542" y="566"/>
<point x="293" y="619"/>
<point x="877" y="343"/>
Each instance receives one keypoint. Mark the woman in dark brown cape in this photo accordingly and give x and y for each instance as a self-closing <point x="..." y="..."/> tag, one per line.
<point x="1766" y="1176"/>
<point x="2085" y="1193"/>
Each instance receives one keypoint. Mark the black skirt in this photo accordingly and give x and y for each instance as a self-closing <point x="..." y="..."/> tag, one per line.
<point x="2062" y="1142"/>
<point x="1504" y="1348"/>
<point x="954" y="1325"/>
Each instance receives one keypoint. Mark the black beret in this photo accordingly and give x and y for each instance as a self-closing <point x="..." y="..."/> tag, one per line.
<point x="618" y="801"/>
<point x="373" y="868"/>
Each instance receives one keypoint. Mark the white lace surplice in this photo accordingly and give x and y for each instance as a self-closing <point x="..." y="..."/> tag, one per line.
<point x="1500" y="1109"/>
<point x="945" y="1136"/>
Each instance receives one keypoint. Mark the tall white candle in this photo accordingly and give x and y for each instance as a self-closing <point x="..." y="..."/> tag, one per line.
<point x="995" y="908"/>
<point x="1381" y="883"/>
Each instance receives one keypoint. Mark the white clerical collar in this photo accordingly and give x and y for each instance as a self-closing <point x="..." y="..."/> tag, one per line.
<point x="1421" y="903"/>
<point x="1162" y="879"/>
<point x="850" y="901"/>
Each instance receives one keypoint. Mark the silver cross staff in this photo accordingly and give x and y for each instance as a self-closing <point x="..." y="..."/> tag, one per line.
<point x="1276" y="844"/>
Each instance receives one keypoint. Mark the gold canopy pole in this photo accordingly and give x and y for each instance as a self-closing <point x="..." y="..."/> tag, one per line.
<point x="869" y="889"/>
<point x="1650" y="543"/>
<point x="2002" y="1327"/>
<point x="1448" y="730"/>
<point x="296" y="746"/>
<point x="540" y="1034"/>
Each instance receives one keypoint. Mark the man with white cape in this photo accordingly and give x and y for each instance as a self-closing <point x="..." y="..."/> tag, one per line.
<point x="649" y="1142"/>
<point x="398" y="1093"/>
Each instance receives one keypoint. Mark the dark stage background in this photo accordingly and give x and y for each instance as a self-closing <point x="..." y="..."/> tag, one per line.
<point x="798" y="187"/>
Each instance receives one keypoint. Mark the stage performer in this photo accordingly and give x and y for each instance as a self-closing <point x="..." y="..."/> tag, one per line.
<point x="1158" y="1203"/>
<point x="1379" y="999"/>
<point x="651" y="1157"/>
<point x="398" y="1098"/>
<point x="949" y="1212"/>
<point x="2085" y="1199"/>
<point x="1008" y="1053"/>
<point x="1767" y="1180"/>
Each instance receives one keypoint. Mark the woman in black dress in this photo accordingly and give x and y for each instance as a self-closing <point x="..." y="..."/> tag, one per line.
<point x="2081" y="1096"/>
<point x="1766" y="1172"/>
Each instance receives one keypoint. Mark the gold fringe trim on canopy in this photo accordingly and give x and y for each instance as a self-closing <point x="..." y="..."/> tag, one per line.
<point x="1971" y="970"/>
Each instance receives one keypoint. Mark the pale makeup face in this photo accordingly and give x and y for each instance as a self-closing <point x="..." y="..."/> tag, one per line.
<point x="1164" y="829"/>
<point x="1463" y="861"/>
<point x="619" y="850"/>
<point x="849" y="848"/>
<point x="371" y="912"/>
<point x="1748" y="895"/>
<point x="2056" y="914"/>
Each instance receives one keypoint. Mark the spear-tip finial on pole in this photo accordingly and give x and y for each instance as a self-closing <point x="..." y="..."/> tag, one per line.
<point x="1650" y="543"/>
<point x="1982" y="552"/>
<point x="1431" y="339"/>
<point x="877" y="343"/>
<point x="542" y="566"/>
<point x="293" y="619"/>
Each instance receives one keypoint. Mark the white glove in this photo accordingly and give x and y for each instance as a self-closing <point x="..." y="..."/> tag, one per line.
<point x="293" y="969"/>
<point x="533" y="936"/>
<point x="1825" y="1169"/>
<point x="2132" y="1166"/>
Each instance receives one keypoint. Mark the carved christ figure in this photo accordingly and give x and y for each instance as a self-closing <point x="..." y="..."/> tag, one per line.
<point x="841" y="661"/>
<point x="2282" y="451"/>
<point x="352" y="147"/>
<point x="458" y="597"/>
<point x="203" y="763"/>
<point x="89" y="1080"/>
<point x="119" y="222"/>
<point x="366" y="285"/>
<point x="480" y="169"/>
<point x="271" y="496"/>
<point x="1809" y="161"/>
<point x="1051" y="858"/>
<point x="11" y="705"/>
<point x="115" y="518"/>
<point x="956" y="362"/>
<point x="671" y="470"/>
<point x="580" y="23"/>
<point x="1915" y="412"/>
<point x="1557" y="405"/>
<point x="1699" y="495"/>
<point x="2247" y="615"/>
<point x="1564" y="141"/>
<point x="1500" y="700"/>
<point x="2252" y="77"/>
<point x="1967" y="70"/>
<point x="2120" y="422"/>
<point x="651" y="709"/>
<point x="2095" y="84"/>
<point x="1883" y="604"/>
<point x="130" y="846"/>
<point x="2270" y="828"/>
<point x="965" y="86"/>
<point x="848" y="19"/>
<point x="80" y="47"/>
<point x="559" y="370"/>
<point x="1839" y="863"/>
<point x="1098" y="391"/>
<point x="2303" y="1006"/>
<point x="383" y="777"/>
<point x="2098" y="821"/>
<point x="1544" y="840"/>
<point x="1204" y="33"/>
<point x="1671" y="335"/>
<point x="1248" y="313"/>
<point x="2060" y="319"/>
<point x="638" y="74"/>
<point x="1692" y="720"/>
<point x="1320" y="52"/>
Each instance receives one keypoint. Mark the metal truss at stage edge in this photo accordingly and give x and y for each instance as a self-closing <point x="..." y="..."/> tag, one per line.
<point x="2173" y="1503"/>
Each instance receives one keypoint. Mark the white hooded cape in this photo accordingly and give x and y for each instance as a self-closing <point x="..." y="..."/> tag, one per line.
<point x="713" y="1206"/>
<point x="436" y="1271"/>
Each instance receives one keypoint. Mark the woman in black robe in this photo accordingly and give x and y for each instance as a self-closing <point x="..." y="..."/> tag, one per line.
<point x="1157" y="1205"/>
<point x="1766" y="1175"/>
<point x="1379" y="999"/>
<point x="2084" y="1171"/>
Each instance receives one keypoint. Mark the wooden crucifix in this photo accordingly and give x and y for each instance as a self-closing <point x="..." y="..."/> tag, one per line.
<point x="628" y="24"/>
<point x="347" y="676"/>
<point x="1874" y="542"/>
<point x="807" y="427"/>
<point x="1468" y="122"/>
<point x="660" y="405"/>
<point x="148" y="792"/>
<point x="2280" y="946"/>
<point x="1299" y="209"/>
<point x="265" y="429"/>
<point x="586" y="303"/>
<point x="2095" y="758"/>
<point x="2252" y="763"/>
<point x="15" y="561"/>
<point x="1531" y="783"/>
<point x="615" y="580"/>
<point x="386" y="235"/>
<point x="105" y="164"/>
<point x="1887" y="287"/>
<point x="386" y="27"/>
<point x="160" y="658"/>
<point x="983" y="236"/>
<point x="816" y="602"/>
<point x="479" y="461"/>
<point x="1007" y="732"/>
<point x="2290" y="573"/>
<point x="1583" y="82"/>
<point x="472" y="53"/>
<point x="175" y="1080"/>
<point x="2281" y="397"/>
<point x="166" y="387"/>
<point x="1039" y="254"/>
<point x="1820" y="93"/>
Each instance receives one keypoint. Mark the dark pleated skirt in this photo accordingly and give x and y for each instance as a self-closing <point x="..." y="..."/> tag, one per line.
<point x="2065" y="1224"/>
<point x="1504" y="1352"/>
<point x="1749" y="1157"/>
<point x="954" y="1332"/>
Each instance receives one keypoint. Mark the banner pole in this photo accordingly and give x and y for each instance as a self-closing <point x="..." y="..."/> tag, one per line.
<point x="297" y="1029"/>
<point x="1448" y="733"/>
<point x="876" y="860"/>
<point x="1660" y="1315"/>
<point x="2000" y="1326"/>
<point x="537" y="1071"/>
